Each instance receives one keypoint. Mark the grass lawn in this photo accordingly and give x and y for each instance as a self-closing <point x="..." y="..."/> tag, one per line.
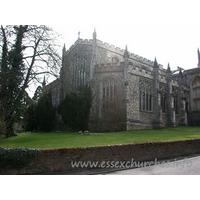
<point x="68" y="139"/>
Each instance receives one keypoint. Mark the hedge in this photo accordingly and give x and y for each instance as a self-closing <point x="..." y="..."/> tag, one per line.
<point x="18" y="157"/>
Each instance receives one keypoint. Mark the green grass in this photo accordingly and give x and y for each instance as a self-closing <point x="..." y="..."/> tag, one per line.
<point x="68" y="139"/>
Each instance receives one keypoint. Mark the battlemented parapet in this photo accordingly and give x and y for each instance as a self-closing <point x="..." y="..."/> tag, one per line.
<point x="109" y="67"/>
<point x="109" y="47"/>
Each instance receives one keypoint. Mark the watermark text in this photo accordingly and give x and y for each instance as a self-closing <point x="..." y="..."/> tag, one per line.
<point x="131" y="164"/>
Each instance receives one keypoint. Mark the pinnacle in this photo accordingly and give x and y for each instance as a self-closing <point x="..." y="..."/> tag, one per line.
<point x="155" y="63"/>
<point x="168" y="68"/>
<point x="94" y="34"/>
<point x="126" y="54"/>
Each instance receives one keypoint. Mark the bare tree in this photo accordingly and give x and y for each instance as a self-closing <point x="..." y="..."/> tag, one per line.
<point x="41" y="56"/>
<point x="38" y="56"/>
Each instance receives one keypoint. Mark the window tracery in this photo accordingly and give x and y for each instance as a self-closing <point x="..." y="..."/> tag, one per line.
<point x="109" y="93"/>
<point x="145" y="96"/>
<point x="79" y="71"/>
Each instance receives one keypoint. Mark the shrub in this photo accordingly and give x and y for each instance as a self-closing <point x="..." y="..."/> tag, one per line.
<point x="45" y="113"/>
<point x="75" y="109"/>
<point x="16" y="158"/>
<point x="30" y="123"/>
<point x="3" y="127"/>
<point x="194" y="118"/>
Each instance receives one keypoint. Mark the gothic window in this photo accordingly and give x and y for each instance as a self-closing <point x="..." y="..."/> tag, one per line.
<point x="115" y="60"/>
<point x="195" y="94"/>
<point x="145" y="96"/>
<point x="147" y="101"/>
<point x="79" y="67"/>
<point x="109" y="92"/>
<point x="176" y="105"/>
<point x="140" y="100"/>
<point x="163" y="103"/>
<point x="143" y="100"/>
<point x="150" y="102"/>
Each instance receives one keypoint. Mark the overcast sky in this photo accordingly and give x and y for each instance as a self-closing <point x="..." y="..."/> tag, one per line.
<point x="168" y="30"/>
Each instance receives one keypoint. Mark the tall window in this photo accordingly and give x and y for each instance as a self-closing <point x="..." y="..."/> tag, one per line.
<point x="143" y="100"/>
<point x="163" y="103"/>
<point x="147" y="101"/>
<point x="176" y="105"/>
<point x="150" y="102"/>
<point x="145" y="96"/>
<point x="79" y="68"/>
<point x="109" y="93"/>
<point x="195" y="94"/>
<point x="140" y="100"/>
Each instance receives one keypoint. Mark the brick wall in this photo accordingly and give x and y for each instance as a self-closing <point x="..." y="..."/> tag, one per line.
<point x="58" y="160"/>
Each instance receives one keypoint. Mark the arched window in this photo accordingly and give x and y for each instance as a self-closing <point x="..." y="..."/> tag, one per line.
<point x="147" y="101"/>
<point x="109" y="93"/>
<point x="176" y="106"/>
<point x="115" y="60"/>
<point x="140" y="100"/>
<point x="143" y="100"/>
<point x="145" y="96"/>
<point x="79" y="68"/>
<point x="195" y="94"/>
<point x="163" y="103"/>
<point x="150" y="102"/>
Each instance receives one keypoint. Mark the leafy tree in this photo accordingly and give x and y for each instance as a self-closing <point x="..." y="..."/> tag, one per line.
<point x="45" y="113"/>
<point x="30" y="123"/>
<point x="27" y="53"/>
<point x="12" y="68"/>
<point x="75" y="109"/>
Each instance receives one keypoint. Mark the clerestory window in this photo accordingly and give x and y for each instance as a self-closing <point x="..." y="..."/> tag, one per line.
<point x="115" y="60"/>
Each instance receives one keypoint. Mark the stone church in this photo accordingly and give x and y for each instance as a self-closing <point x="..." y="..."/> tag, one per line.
<point x="129" y="91"/>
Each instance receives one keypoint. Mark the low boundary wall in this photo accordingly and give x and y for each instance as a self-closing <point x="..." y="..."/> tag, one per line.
<point x="59" y="160"/>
